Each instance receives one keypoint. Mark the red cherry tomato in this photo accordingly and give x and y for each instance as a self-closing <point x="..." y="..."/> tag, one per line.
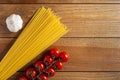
<point x="23" y="78"/>
<point x="64" y="56"/>
<point x="48" y="60"/>
<point x="55" y="52"/>
<point x="39" y="65"/>
<point x="58" y="65"/>
<point x="31" y="73"/>
<point x="50" y="72"/>
<point x="42" y="77"/>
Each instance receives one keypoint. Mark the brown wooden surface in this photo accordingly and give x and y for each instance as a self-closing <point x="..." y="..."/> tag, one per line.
<point x="86" y="54"/>
<point x="83" y="20"/>
<point x="93" y="41"/>
<point x="59" y="1"/>
<point x="80" y="76"/>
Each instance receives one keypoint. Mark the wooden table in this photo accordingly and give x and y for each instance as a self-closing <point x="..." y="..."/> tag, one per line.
<point x="93" y="41"/>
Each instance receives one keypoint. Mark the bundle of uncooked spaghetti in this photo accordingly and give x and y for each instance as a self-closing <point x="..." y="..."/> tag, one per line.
<point x="42" y="31"/>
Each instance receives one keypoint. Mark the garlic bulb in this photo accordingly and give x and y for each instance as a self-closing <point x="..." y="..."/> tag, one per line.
<point x="14" y="23"/>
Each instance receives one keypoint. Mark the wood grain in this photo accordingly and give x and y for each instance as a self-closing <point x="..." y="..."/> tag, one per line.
<point x="59" y="1"/>
<point x="93" y="41"/>
<point x="86" y="20"/>
<point x="5" y="44"/>
<point x="80" y="76"/>
<point x="86" y="54"/>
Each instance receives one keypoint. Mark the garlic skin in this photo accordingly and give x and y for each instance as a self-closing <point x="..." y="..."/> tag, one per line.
<point x="14" y="23"/>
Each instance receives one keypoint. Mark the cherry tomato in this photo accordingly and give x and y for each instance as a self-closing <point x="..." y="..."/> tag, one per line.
<point x="31" y="73"/>
<point x="64" y="56"/>
<point x="50" y="72"/>
<point x="48" y="60"/>
<point x="39" y="65"/>
<point x="58" y="65"/>
<point x="23" y="77"/>
<point x="55" y="52"/>
<point x="42" y="77"/>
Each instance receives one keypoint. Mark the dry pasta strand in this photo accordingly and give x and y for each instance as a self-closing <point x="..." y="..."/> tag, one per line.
<point x="42" y="30"/>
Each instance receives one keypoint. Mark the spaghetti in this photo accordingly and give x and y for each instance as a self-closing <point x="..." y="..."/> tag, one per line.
<point x="42" y="30"/>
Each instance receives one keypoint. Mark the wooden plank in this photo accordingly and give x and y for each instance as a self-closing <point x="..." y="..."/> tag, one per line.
<point x="86" y="54"/>
<point x="86" y="20"/>
<point x="59" y="1"/>
<point x="5" y="44"/>
<point x="80" y="76"/>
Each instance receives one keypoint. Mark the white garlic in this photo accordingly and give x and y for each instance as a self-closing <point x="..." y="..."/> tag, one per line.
<point x="14" y="23"/>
